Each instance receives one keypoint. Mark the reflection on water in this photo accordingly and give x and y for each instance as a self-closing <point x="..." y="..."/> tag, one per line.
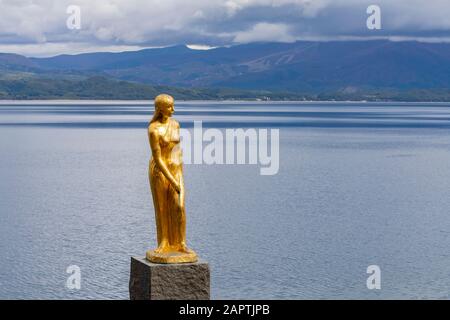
<point x="359" y="184"/>
<point x="225" y="114"/>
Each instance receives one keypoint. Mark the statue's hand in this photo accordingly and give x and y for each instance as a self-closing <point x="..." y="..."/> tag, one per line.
<point x="177" y="188"/>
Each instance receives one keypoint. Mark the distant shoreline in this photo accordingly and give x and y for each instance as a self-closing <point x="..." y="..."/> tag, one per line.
<point x="150" y="101"/>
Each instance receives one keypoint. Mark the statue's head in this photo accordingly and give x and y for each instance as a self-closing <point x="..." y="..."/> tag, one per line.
<point x="164" y="105"/>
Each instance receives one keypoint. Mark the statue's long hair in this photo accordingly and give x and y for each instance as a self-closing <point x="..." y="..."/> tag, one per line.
<point x="160" y="101"/>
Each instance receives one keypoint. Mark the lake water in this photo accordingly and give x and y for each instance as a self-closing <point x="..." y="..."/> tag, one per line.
<point x="359" y="184"/>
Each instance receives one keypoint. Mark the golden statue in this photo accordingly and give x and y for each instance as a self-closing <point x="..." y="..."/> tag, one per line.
<point x="166" y="182"/>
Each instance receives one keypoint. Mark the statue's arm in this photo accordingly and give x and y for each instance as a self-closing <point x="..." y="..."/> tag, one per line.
<point x="156" y="152"/>
<point x="177" y="126"/>
<point x="182" y="190"/>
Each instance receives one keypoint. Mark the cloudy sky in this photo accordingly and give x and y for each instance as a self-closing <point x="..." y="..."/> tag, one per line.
<point x="39" y="27"/>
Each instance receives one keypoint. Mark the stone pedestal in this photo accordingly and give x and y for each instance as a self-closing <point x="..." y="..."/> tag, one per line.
<point x="183" y="281"/>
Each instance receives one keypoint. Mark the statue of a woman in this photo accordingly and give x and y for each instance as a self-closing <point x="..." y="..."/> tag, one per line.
<point x="166" y="182"/>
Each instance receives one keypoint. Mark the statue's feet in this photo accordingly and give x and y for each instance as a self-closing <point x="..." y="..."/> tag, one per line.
<point x="163" y="247"/>
<point x="171" y="254"/>
<point x="183" y="248"/>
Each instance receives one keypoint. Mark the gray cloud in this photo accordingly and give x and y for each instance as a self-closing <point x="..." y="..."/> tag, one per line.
<point x="38" y="27"/>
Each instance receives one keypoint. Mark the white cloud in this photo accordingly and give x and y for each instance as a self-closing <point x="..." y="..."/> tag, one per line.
<point x="52" y="49"/>
<point x="39" y="25"/>
<point x="265" y="32"/>
<point x="199" y="47"/>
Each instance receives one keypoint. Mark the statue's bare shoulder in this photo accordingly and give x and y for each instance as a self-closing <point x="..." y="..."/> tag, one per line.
<point x="175" y="122"/>
<point x="153" y="129"/>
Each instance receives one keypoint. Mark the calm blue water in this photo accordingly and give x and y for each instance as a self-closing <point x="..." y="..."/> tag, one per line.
<point x="359" y="184"/>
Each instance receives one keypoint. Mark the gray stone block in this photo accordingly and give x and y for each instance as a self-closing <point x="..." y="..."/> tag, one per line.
<point x="183" y="281"/>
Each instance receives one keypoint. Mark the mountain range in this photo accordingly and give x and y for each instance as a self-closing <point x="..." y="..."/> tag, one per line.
<point x="371" y="70"/>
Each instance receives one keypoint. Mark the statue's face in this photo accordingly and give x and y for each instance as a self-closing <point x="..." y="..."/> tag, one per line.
<point x="168" y="109"/>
